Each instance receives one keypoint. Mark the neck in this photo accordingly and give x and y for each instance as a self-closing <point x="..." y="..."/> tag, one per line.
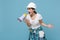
<point x="32" y="14"/>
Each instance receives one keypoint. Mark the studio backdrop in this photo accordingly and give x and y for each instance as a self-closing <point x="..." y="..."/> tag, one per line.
<point x="12" y="29"/>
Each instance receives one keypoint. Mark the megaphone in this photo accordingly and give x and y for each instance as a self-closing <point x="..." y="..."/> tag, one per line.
<point x="22" y="17"/>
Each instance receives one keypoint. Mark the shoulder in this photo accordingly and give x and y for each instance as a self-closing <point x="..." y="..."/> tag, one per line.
<point x="38" y="14"/>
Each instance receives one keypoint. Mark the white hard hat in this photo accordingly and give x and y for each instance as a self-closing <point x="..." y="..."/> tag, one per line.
<point x="31" y="5"/>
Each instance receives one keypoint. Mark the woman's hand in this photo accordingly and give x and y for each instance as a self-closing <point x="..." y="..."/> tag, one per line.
<point x="27" y="22"/>
<point x="49" y="25"/>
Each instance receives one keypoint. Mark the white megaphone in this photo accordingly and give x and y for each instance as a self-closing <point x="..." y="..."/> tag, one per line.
<point x="22" y="17"/>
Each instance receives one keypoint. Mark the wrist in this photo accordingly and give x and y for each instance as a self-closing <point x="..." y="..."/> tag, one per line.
<point x="46" y="25"/>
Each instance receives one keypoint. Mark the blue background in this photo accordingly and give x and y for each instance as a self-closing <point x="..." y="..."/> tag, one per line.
<point x="10" y="10"/>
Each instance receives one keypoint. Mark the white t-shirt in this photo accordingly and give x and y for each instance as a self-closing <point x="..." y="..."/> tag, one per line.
<point x="35" y="22"/>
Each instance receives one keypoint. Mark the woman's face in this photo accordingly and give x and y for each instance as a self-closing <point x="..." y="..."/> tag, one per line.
<point x="31" y="11"/>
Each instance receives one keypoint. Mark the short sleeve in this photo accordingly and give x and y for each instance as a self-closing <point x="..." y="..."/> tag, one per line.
<point x="40" y="17"/>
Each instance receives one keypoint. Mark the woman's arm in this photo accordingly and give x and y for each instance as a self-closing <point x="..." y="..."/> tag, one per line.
<point x="46" y="25"/>
<point x="27" y="22"/>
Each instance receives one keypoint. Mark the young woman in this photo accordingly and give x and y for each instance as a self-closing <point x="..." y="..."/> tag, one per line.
<point x="34" y="22"/>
